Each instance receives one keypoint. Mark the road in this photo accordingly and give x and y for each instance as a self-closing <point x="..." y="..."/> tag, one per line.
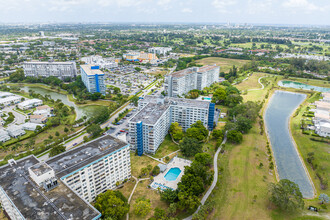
<point x="19" y="117"/>
<point x="116" y="128"/>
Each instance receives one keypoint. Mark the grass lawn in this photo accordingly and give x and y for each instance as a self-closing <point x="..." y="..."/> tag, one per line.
<point x="241" y="192"/>
<point x="137" y="163"/>
<point x="252" y="82"/>
<point x="166" y="147"/>
<point x="142" y="190"/>
<point x="305" y="146"/>
<point x="127" y="188"/>
<point x="224" y="63"/>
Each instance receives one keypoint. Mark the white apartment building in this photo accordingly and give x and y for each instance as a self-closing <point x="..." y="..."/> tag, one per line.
<point x="93" y="78"/>
<point x="150" y="125"/>
<point x="181" y="82"/>
<point x="97" y="60"/>
<point x="30" y="103"/>
<point x="63" y="186"/>
<point x="60" y="70"/>
<point x="94" y="167"/>
<point x="29" y="189"/>
<point x="159" y="50"/>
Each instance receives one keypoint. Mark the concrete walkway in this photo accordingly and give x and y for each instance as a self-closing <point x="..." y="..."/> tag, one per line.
<point x="130" y="196"/>
<point x="215" y="178"/>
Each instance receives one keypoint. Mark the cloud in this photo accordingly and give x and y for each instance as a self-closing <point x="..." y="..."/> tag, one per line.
<point x="303" y="5"/>
<point x="259" y="6"/>
<point x="186" y="10"/>
<point x="121" y="3"/>
<point x="222" y="5"/>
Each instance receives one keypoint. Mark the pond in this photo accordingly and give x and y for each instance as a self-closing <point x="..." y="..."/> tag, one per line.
<point x="80" y="110"/>
<point x="298" y="85"/>
<point x="288" y="161"/>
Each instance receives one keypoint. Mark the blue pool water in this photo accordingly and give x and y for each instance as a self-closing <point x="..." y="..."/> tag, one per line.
<point x="207" y="98"/>
<point x="172" y="174"/>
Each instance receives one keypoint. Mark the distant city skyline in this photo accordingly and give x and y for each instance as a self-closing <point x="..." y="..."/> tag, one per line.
<point x="313" y="12"/>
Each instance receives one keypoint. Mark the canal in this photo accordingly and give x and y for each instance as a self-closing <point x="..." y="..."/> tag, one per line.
<point x="298" y="85"/>
<point x="277" y="119"/>
<point x="80" y="110"/>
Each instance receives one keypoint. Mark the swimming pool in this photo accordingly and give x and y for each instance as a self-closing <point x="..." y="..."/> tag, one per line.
<point x="172" y="174"/>
<point x="207" y="98"/>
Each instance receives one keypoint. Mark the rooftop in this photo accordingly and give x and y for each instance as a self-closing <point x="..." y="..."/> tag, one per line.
<point x="89" y="71"/>
<point x="72" y="160"/>
<point x="192" y="70"/>
<point x="177" y="101"/>
<point x="34" y="202"/>
<point x="40" y="168"/>
<point x="52" y="63"/>
<point x="150" y="113"/>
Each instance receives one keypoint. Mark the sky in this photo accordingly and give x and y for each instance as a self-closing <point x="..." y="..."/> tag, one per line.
<point x="315" y="12"/>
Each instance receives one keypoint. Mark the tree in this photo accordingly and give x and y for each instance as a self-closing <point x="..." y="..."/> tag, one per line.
<point x="203" y="158"/>
<point x="324" y="198"/>
<point x="169" y="195"/>
<point x="198" y="131"/>
<point x="190" y="146"/>
<point x="142" y="206"/>
<point x="94" y="130"/>
<point x="286" y="195"/>
<point x="155" y="171"/>
<point x="176" y="131"/>
<point x="234" y="136"/>
<point x="135" y="100"/>
<point x="57" y="134"/>
<point x="57" y="150"/>
<point x="243" y="124"/>
<point x="138" y="69"/>
<point x="112" y="204"/>
<point x="66" y="130"/>
<point x="219" y="95"/>
<point x="217" y="134"/>
<point x="233" y="99"/>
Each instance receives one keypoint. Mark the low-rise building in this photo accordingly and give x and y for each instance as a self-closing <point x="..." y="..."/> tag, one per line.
<point x="2" y="122"/>
<point x="10" y="100"/>
<point x="31" y="126"/>
<point x="30" y="103"/>
<point x="38" y="119"/>
<point x="15" y="131"/>
<point x="93" y="78"/>
<point x="4" y="136"/>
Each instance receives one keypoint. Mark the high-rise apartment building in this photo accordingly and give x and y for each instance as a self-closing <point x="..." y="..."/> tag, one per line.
<point x="159" y="50"/>
<point x="150" y="125"/>
<point x="60" y="70"/>
<point x="93" y="78"/>
<point x="63" y="186"/>
<point x="181" y="82"/>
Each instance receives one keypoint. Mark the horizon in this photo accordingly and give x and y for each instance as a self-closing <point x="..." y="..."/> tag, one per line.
<point x="261" y="12"/>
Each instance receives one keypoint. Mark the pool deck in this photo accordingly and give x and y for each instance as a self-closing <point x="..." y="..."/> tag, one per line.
<point x="162" y="183"/>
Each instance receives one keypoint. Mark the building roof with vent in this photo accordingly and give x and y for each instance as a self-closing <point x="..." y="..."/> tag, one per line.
<point x="33" y="202"/>
<point x="70" y="161"/>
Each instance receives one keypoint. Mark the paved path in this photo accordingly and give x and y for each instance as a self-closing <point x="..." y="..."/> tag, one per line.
<point x="215" y="178"/>
<point x="130" y="196"/>
<point x="259" y="81"/>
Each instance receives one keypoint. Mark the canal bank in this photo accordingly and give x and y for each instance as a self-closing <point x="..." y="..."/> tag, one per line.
<point x="288" y="161"/>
